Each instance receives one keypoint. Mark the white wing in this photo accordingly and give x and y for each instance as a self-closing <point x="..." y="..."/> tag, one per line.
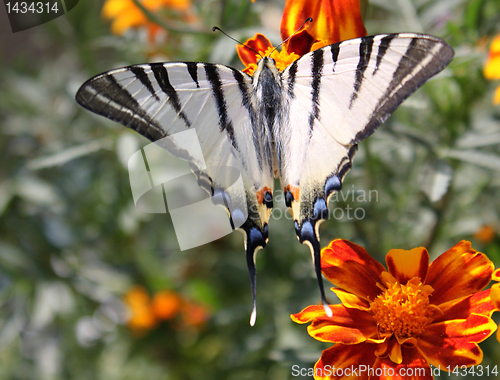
<point x="338" y="95"/>
<point x="161" y="99"/>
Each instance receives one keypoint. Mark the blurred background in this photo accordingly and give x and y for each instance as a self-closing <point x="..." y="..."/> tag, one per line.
<point x="92" y="288"/>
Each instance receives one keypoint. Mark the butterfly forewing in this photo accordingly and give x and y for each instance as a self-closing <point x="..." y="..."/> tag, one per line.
<point x="162" y="99"/>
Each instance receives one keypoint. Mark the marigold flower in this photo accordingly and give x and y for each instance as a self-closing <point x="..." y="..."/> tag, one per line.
<point x="492" y="67"/>
<point x="495" y="295"/>
<point x="146" y="313"/>
<point x="125" y="14"/>
<point x="194" y="315"/>
<point x="166" y="304"/>
<point x="333" y="21"/>
<point x="139" y="304"/>
<point x="485" y="234"/>
<point x="409" y="316"/>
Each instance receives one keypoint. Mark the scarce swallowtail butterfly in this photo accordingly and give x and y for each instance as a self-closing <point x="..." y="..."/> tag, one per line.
<point x="301" y="125"/>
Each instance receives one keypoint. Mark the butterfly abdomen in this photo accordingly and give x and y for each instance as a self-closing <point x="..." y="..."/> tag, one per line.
<point x="269" y="99"/>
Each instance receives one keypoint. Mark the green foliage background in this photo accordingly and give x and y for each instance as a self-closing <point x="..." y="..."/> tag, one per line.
<point x="72" y="243"/>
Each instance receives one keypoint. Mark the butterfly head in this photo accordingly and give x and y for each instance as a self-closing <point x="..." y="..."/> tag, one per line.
<point x="266" y="67"/>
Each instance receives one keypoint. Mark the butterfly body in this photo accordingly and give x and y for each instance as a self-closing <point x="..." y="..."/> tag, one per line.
<point x="301" y="125"/>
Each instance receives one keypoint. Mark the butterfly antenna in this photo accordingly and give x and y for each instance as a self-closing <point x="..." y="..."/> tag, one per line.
<point x="235" y="40"/>
<point x="309" y="19"/>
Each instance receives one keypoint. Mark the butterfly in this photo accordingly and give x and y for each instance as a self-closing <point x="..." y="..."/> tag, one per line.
<point x="301" y="125"/>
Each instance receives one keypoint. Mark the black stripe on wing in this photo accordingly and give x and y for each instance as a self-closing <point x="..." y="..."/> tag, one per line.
<point x="431" y="54"/>
<point x="292" y="73"/>
<point x="105" y="96"/>
<point x="382" y="49"/>
<point x="365" y="52"/>
<point x="213" y="77"/>
<point x="317" y="71"/>
<point x="247" y="103"/>
<point x="335" y="54"/>
<point x="193" y="72"/>
<point x="140" y="74"/>
<point x="161" y="76"/>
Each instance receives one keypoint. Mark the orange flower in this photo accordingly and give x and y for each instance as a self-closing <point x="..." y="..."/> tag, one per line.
<point x="492" y="67"/>
<point x="139" y="304"/>
<point x="406" y="317"/>
<point x="333" y="21"/>
<point x="485" y="234"/>
<point x="495" y="295"/>
<point x="147" y="313"/>
<point x="166" y="304"/>
<point x="194" y="315"/>
<point x="125" y="14"/>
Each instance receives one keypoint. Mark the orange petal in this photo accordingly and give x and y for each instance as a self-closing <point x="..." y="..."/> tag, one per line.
<point x="413" y="367"/>
<point x="295" y="13"/>
<point x="347" y="326"/>
<point x="404" y="265"/>
<point x="137" y="296"/>
<point x="194" y="315"/>
<point x="113" y="8"/>
<point x="351" y="300"/>
<point x="300" y="43"/>
<point x="351" y="268"/>
<point x="310" y="313"/>
<point x="338" y="21"/>
<point x="454" y="343"/>
<point x="492" y="68"/>
<point x="345" y="362"/>
<point x="390" y="348"/>
<point x="495" y="45"/>
<point x="127" y="20"/>
<point x="485" y="234"/>
<point x="181" y="5"/>
<point x="495" y="296"/>
<point x="479" y="303"/>
<point x="333" y="21"/>
<point x="459" y="272"/>
<point x="259" y="43"/>
<point x="496" y="275"/>
<point x="496" y="97"/>
<point x="166" y="304"/>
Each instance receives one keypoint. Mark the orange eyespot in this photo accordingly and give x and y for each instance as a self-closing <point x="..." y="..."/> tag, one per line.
<point x="260" y="194"/>
<point x="294" y="190"/>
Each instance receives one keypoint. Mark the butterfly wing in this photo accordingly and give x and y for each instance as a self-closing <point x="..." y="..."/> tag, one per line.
<point x="338" y="96"/>
<point x="162" y="99"/>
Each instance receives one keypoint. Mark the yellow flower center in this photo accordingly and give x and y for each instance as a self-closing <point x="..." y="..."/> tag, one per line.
<point x="403" y="310"/>
<point x="282" y="59"/>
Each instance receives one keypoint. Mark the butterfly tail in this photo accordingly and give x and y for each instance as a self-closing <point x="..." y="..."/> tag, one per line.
<point x="253" y="282"/>
<point x="316" y="254"/>
<point x="308" y="235"/>
<point x="255" y="238"/>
